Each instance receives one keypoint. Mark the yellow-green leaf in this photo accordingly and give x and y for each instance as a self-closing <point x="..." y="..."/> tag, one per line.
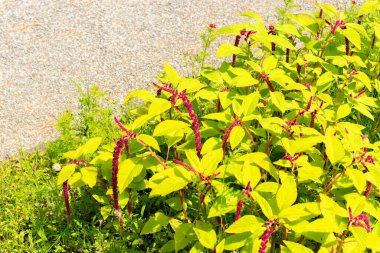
<point x="296" y="247"/>
<point x="155" y="223"/>
<point x="171" y="74"/>
<point x="149" y="140"/>
<point x="167" y="127"/>
<point x="65" y="173"/>
<point x="287" y="193"/>
<point x="206" y="235"/>
<point x="227" y="50"/>
<point x="247" y="223"/>
<point x="334" y="148"/>
<point x="89" y="175"/>
<point x="236" y="136"/>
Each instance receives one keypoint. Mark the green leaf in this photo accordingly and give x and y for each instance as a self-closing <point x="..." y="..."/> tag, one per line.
<point x="128" y="170"/>
<point x="210" y="161"/>
<point x="324" y="81"/>
<point x="168" y="247"/>
<point x="278" y="100"/>
<point x="262" y="160"/>
<point x="269" y="63"/>
<point x="363" y="109"/>
<point x="105" y="211"/>
<point x="334" y="148"/>
<point x="213" y="76"/>
<point x="353" y="36"/>
<point x="206" y="235"/>
<point x="322" y="225"/>
<point x="330" y="208"/>
<point x="343" y="111"/>
<point x="234" y="242"/>
<point x="197" y="248"/>
<point x="159" y="106"/>
<point x="301" y="144"/>
<point x="373" y="175"/>
<point x="75" y="180"/>
<point x="89" y="175"/>
<point x="169" y="180"/>
<point x="219" y="116"/>
<point x="194" y="161"/>
<point x="358" y="179"/>
<point x="91" y="145"/>
<point x="167" y="127"/>
<point x="227" y="50"/>
<point x="287" y="193"/>
<point x="171" y="74"/>
<point x="236" y="136"/>
<point x="247" y="223"/>
<point x="184" y="235"/>
<point x="140" y="121"/>
<point x="142" y="94"/>
<point x="368" y="7"/>
<point x="65" y="173"/>
<point x="243" y="78"/>
<point x="155" y="223"/>
<point x="304" y="211"/>
<point x="220" y="247"/>
<point x="328" y="9"/>
<point x="296" y="247"/>
<point x="250" y="103"/>
<point x="251" y="173"/>
<point x="222" y="205"/>
<point x="150" y="141"/>
<point x="373" y="242"/>
<point x="264" y="205"/>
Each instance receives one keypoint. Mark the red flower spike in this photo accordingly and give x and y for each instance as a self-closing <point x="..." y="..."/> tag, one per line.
<point x="368" y="190"/>
<point x="268" y="82"/>
<point x="193" y="116"/>
<point x="65" y="191"/>
<point x="130" y="134"/>
<point x="236" y="122"/>
<point x="246" y="191"/>
<point x="190" y="110"/>
<point x="115" y="168"/>
<point x="359" y="221"/>
<point x="237" y="41"/>
<point x="265" y="237"/>
<point x="212" y="25"/>
<point x="309" y="103"/>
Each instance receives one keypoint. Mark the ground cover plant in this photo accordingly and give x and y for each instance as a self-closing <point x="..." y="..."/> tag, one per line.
<point x="276" y="149"/>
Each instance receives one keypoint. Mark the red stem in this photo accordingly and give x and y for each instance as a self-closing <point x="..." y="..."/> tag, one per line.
<point x="237" y="40"/>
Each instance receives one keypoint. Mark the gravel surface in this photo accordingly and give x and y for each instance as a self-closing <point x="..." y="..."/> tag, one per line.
<point x="119" y="45"/>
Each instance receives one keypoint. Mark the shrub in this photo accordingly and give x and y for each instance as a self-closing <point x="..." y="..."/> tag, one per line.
<point x="277" y="148"/>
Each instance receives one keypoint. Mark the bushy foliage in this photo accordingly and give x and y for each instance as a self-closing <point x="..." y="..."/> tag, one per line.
<point x="277" y="148"/>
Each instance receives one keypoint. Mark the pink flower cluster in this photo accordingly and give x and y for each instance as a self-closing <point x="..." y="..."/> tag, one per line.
<point x="338" y="23"/>
<point x="245" y="192"/>
<point x="236" y="122"/>
<point x="115" y="168"/>
<point x="266" y="235"/>
<point x="122" y="142"/>
<point x="360" y="221"/>
<point x="190" y="110"/>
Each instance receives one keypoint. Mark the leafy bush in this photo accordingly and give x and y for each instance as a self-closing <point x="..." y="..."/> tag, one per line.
<point x="276" y="149"/>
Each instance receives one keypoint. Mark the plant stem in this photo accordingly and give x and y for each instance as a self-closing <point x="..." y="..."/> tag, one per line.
<point x="183" y="205"/>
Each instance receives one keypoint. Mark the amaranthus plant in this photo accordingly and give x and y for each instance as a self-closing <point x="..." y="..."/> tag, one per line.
<point x="275" y="150"/>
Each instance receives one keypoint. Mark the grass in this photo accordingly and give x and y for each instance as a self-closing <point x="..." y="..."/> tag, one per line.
<point x="32" y="212"/>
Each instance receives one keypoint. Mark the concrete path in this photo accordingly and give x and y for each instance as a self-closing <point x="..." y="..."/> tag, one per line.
<point x="118" y="45"/>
